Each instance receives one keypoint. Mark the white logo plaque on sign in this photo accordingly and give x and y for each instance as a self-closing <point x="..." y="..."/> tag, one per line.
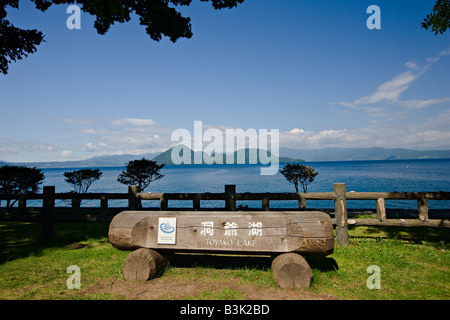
<point x="167" y="230"/>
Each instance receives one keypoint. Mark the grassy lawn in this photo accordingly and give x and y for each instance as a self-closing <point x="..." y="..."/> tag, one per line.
<point x="414" y="264"/>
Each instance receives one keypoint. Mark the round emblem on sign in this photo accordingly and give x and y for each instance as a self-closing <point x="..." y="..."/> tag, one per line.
<point x="166" y="228"/>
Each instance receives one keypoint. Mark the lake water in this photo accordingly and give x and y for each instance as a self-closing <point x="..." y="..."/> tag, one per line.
<point x="368" y="176"/>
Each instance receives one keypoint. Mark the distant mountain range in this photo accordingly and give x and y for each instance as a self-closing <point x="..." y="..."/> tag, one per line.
<point x="353" y="154"/>
<point x="287" y="155"/>
<point x="166" y="157"/>
<point x="98" y="161"/>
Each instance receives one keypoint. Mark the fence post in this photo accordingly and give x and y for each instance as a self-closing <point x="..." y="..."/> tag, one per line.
<point x="76" y="203"/>
<point x="196" y="204"/>
<point x="266" y="204"/>
<point x="230" y="197"/>
<point x="301" y="202"/>
<point x="381" y="209"/>
<point x="48" y="207"/>
<point x="422" y="207"/>
<point x="22" y="205"/>
<point x="104" y="206"/>
<point x="163" y="203"/>
<point x="132" y="197"/>
<point x="340" y="213"/>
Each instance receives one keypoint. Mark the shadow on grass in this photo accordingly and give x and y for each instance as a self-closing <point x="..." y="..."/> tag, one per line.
<point x="239" y="262"/>
<point x="436" y="237"/>
<point x="22" y="239"/>
<point x="323" y="264"/>
<point x="219" y="261"/>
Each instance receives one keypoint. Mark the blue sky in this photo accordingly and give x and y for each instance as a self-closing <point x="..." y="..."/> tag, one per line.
<point x="311" y="69"/>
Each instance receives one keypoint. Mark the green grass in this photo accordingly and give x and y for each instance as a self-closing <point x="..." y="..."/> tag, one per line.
<point x="414" y="264"/>
<point x="34" y="268"/>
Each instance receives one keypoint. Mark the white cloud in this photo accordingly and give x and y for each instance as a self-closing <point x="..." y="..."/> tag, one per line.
<point x="419" y="104"/>
<point x="430" y="133"/>
<point x="425" y="134"/>
<point x="89" y="130"/>
<point x="89" y="147"/>
<point x="442" y="121"/>
<point x="297" y="130"/>
<point x="433" y="132"/>
<point x="133" y="121"/>
<point x="17" y="146"/>
<point x="8" y="148"/>
<point x="411" y="64"/>
<point x="66" y="153"/>
<point x="439" y="56"/>
<point x="302" y="139"/>
<point x="390" y="91"/>
<point x="122" y="135"/>
<point x="78" y="121"/>
<point x="133" y="136"/>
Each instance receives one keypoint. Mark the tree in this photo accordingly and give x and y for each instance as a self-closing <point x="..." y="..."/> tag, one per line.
<point x="299" y="174"/>
<point x="158" y="16"/>
<point x="140" y="173"/>
<point x="82" y="179"/>
<point x="15" y="180"/>
<point x="439" y="19"/>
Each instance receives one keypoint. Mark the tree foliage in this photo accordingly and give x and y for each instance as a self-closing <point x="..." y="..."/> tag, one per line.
<point x="160" y="18"/>
<point x="438" y="20"/>
<point x="140" y="173"/>
<point x="299" y="175"/>
<point x="82" y="179"/>
<point x="16" y="180"/>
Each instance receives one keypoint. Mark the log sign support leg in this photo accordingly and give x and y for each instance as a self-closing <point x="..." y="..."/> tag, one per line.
<point x="290" y="270"/>
<point x="142" y="264"/>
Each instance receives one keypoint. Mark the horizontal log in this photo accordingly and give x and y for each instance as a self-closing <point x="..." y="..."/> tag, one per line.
<point x="181" y="196"/>
<point x="238" y="196"/>
<point x="434" y="223"/>
<point x="286" y="196"/>
<point x="241" y="232"/>
<point x="68" y="196"/>
<point x="58" y="218"/>
<point x="319" y="195"/>
<point x="260" y="196"/>
<point x="31" y="196"/>
<point x="397" y="195"/>
<point x="149" y="196"/>
<point x="92" y="196"/>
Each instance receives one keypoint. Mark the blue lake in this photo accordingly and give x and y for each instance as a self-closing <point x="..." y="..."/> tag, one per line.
<point x="368" y="176"/>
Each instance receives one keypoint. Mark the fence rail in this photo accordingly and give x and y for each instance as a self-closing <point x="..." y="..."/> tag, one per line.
<point x="339" y="195"/>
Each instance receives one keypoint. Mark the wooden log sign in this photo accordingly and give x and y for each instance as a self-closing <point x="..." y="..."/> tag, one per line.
<point x="308" y="233"/>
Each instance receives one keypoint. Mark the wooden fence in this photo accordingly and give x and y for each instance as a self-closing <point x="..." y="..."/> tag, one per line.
<point x="339" y="195"/>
